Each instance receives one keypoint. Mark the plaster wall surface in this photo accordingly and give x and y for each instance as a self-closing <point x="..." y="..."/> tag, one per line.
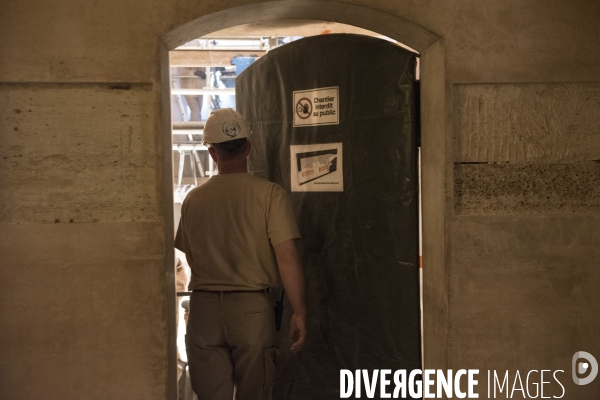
<point x="83" y="304"/>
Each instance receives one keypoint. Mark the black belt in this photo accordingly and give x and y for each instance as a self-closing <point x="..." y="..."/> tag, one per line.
<point x="231" y="291"/>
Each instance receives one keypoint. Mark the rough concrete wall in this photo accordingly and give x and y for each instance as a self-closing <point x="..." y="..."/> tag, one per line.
<point x="510" y="41"/>
<point x="81" y="309"/>
<point x="82" y="304"/>
<point x="72" y="41"/>
<point x="523" y="295"/>
<point x="77" y="153"/>
<point x="527" y="188"/>
<point x="492" y="41"/>
<point x="501" y="123"/>
<point x="524" y="276"/>
<point x="82" y="250"/>
<point x="82" y="296"/>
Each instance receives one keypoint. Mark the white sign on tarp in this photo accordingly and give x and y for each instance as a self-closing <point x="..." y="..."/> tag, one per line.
<point x="316" y="107"/>
<point x="317" y="168"/>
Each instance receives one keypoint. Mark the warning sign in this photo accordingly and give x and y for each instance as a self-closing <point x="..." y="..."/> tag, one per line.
<point x="316" y="107"/>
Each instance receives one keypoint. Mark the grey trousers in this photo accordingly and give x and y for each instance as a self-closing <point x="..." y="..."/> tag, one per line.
<point x="230" y="341"/>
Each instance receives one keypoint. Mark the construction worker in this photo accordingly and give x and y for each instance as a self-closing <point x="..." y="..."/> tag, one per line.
<point x="238" y="233"/>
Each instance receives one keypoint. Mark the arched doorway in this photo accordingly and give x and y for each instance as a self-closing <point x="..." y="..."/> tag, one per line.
<point x="433" y="139"/>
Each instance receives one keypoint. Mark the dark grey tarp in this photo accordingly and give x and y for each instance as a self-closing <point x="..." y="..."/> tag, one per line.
<point x="360" y="245"/>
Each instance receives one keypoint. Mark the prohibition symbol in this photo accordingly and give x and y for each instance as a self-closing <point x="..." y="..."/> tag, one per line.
<point x="304" y="108"/>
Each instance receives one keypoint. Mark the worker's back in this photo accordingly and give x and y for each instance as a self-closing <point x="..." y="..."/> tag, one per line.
<point x="229" y="225"/>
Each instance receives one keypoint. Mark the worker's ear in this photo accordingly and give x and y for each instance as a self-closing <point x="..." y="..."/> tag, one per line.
<point x="213" y="154"/>
<point x="248" y="147"/>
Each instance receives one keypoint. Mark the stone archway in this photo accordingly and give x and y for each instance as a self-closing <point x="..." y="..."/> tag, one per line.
<point x="434" y="140"/>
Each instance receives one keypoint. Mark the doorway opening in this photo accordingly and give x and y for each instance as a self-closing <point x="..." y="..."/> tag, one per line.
<point x="203" y="73"/>
<point x="433" y="104"/>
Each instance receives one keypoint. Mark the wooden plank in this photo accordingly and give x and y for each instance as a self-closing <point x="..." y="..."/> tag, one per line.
<point x="208" y="58"/>
<point x="197" y="92"/>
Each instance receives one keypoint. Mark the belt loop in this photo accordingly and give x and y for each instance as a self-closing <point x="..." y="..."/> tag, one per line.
<point x="221" y="296"/>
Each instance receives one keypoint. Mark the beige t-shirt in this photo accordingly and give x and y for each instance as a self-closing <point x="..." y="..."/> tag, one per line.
<point x="229" y="227"/>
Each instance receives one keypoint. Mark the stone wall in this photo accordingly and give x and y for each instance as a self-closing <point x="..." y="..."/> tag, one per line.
<point x="84" y="263"/>
<point x="524" y="241"/>
<point x="77" y="153"/>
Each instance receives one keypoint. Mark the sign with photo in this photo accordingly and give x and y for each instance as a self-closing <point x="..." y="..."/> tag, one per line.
<point x="317" y="168"/>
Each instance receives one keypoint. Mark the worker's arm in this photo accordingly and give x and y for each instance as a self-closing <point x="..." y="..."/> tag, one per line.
<point x="292" y="276"/>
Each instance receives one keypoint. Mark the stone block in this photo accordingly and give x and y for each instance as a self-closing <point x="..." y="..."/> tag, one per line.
<point x="83" y="311"/>
<point x="523" y="294"/>
<point x="77" y="153"/>
<point x="527" y="122"/>
<point x="526" y="188"/>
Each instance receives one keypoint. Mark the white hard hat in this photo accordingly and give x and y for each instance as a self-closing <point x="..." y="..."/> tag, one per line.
<point x="225" y="124"/>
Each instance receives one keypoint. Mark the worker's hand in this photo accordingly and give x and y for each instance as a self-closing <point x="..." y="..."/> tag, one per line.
<point x="297" y="332"/>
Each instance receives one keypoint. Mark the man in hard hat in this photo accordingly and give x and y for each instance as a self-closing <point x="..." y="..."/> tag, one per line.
<point x="238" y="233"/>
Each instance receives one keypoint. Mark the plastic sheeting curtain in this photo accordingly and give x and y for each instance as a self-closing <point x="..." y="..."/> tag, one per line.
<point x="334" y="123"/>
